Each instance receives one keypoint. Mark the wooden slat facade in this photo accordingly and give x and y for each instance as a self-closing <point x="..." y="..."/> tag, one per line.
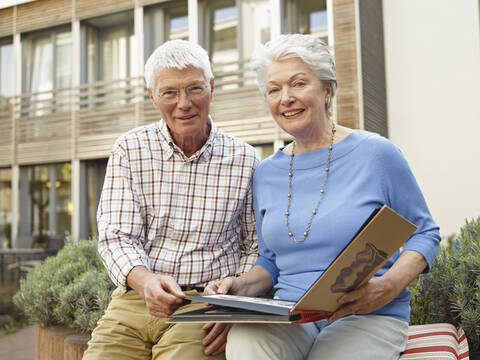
<point x="43" y="13"/>
<point x="373" y="67"/>
<point x="105" y="110"/>
<point x="345" y="46"/>
<point x="5" y="132"/>
<point x="6" y="22"/>
<point x="43" y="130"/>
<point x="48" y="13"/>
<point x="102" y="111"/>
<point x="91" y="8"/>
<point x="150" y="2"/>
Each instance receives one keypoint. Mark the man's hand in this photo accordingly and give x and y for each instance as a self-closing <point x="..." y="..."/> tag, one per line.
<point x="161" y="293"/>
<point x="216" y="338"/>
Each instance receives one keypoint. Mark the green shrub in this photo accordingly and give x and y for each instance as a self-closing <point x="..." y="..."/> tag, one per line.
<point x="451" y="291"/>
<point x="71" y="288"/>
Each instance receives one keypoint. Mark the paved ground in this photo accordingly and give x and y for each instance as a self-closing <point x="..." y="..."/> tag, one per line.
<point x="19" y="345"/>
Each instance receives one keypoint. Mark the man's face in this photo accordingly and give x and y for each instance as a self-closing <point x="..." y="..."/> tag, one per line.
<point x="187" y="114"/>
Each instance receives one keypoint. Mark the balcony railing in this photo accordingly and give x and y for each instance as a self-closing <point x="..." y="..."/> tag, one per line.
<point x="84" y="121"/>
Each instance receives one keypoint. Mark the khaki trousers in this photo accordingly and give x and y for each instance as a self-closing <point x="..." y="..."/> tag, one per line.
<point x="128" y="331"/>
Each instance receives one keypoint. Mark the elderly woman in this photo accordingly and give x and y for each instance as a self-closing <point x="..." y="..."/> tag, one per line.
<point x="311" y="197"/>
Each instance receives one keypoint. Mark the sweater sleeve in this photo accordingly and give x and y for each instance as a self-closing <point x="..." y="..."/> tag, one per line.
<point x="403" y="194"/>
<point x="266" y="257"/>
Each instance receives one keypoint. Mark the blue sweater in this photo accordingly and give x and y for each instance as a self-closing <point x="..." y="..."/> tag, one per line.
<point x="366" y="171"/>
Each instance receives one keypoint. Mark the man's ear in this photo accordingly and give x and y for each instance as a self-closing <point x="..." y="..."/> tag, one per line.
<point x="328" y="89"/>
<point x="150" y="94"/>
<point x="212" y="86"/>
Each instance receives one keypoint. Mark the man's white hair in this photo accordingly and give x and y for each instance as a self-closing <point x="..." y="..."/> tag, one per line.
<point x="311" y="50"/>
<point x="178" y="54"/>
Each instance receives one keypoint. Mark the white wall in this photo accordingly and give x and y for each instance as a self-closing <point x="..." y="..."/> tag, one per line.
<point x="432" y="54"/>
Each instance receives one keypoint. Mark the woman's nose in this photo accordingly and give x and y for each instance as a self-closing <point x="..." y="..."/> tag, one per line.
<point x="287" y="97"/>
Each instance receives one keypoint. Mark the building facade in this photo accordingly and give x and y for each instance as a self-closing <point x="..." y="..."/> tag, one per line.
<point x="71" y="82"/>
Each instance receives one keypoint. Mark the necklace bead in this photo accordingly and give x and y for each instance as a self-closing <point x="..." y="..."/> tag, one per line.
<point x="322" y="190"/>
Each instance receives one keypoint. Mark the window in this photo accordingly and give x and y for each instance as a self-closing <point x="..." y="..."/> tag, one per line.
<point x="39" y="191"/>
<point x="221" y="42"/>
<point x="164" y="22"/>
<point x="108" y="54"/>
<point x="223" y="32"/>
<point x="177" y="23"/>
<point x="255" y="25"/>
<point x="5" y="208"/>
<point x="6" y="69"/>
<point x="63" y="199"/>
<point x="63" y="60"/>
<point x="45" y="204"/>
<point x="6" y="91"/>
<point x="306" y="17"/>
<point x="47" y="60"/>
<point x="115" y="49"/>
<point x="39" y="75"/>
<point x="108" y="47"/>
<point x="91" y="192"/>
<point x="47" y="65"/>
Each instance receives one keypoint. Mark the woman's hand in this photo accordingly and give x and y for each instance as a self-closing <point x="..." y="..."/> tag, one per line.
<point x="230" y="285"/>
<point x="254" y="283"/>
<point x="367" y="298"/>
<point x="216" y="338"/>
<point x="381" y="290"/>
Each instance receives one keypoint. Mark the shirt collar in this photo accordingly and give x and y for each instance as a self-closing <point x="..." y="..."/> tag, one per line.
<point x="171" y="148"/>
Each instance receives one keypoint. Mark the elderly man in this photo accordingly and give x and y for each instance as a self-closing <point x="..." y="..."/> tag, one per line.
<point x="175" y="213"/>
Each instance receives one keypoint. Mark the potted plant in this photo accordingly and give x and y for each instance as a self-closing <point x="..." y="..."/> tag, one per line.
<point x="450" y="292"/>
<point x="71" y="290"/>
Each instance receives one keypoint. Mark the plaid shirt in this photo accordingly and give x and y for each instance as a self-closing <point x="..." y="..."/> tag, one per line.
<point x="190" y="218"/>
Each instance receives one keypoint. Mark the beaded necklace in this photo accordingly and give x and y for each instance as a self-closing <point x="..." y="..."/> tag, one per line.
<point x="322" y="190"/>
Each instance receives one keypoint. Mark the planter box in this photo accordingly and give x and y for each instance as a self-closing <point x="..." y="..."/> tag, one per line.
<point x="59" y="343"/>
<point x="40" y="342"/>
<point x="74" y="346"/>
<point x="55" y="338"/>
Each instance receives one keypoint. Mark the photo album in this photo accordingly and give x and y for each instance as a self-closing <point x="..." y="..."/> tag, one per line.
<point x="381" y="235"/>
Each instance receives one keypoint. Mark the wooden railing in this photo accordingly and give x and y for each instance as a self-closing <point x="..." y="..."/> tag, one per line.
<point x="106" y="110"/>
<point x="43" y="126"/>
<point x="84" y="121"/>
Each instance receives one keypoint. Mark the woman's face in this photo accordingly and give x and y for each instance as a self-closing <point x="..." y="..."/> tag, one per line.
<point x="296" y="97"/>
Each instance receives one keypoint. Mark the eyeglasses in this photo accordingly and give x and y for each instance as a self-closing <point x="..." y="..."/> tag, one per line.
<point x="171" y="96"/>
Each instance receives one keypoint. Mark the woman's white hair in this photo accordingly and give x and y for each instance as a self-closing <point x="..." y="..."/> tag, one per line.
<point x="178" y="54"/>
<point x="311" y="50"/>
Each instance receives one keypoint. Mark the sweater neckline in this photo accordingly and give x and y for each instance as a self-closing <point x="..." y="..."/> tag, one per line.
<point x="318" y="157"/>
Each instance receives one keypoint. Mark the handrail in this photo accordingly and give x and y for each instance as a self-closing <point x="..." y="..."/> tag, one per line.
<point x="84" y="120"/>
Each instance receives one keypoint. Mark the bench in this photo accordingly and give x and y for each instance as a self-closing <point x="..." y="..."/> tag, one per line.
<point x="436" y="341"/>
